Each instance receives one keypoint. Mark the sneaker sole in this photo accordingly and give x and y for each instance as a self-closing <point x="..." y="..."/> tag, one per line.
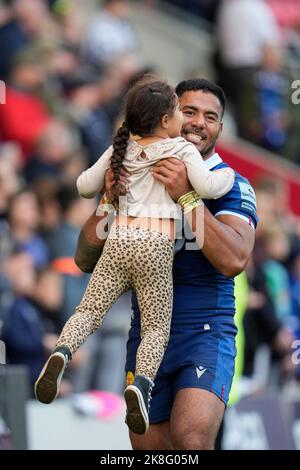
<point x="46" y="387"/>
<point x="137" y="416"/>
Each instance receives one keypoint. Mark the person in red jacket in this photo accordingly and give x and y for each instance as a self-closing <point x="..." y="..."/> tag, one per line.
<point x="24" y="116"/>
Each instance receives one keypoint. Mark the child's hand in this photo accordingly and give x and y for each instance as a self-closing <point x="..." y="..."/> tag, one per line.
<point x="172" y="173"/>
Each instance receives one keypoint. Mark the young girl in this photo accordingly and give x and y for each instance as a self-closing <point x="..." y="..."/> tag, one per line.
<point x="138" y="253"/>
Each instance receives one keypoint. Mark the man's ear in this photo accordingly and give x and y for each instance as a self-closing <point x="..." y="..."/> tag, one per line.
<point x="165" y="121"/>
<point x="221" y="130"/>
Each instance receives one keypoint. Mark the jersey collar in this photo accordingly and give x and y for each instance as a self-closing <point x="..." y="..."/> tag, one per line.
<point x="213" y="161"/>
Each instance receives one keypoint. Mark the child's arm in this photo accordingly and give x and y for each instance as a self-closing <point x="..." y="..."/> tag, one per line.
<point x="207" y="184"/>
<point x="91" y="181"/>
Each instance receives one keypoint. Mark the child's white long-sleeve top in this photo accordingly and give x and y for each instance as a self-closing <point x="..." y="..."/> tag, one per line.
<point x="147" y="197"/>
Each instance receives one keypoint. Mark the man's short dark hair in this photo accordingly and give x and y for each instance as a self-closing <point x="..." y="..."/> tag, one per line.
<point x="204" y="85"/>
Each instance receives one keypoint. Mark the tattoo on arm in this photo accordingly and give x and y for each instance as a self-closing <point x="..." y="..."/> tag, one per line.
<point x="87" y="254"/>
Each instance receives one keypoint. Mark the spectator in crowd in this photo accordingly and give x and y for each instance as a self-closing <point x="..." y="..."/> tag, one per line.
<point x="22" y="329"/>
<point x="267" y="340"/>
<point x="26" y="23"/>
<point x="110" y="34"/>
<point x="246" y="32"/>
<point x="272" y="94"/>
<point x="24" y="220"/>
<point x="10" y="181"/>
<point x="276" y="246"/>
<point x="295" y="290"/>
<point x="24" y="116"/>
<point x="88" y="93"/>
<point x="62" y="244"/>
<point x="50" y="152"/>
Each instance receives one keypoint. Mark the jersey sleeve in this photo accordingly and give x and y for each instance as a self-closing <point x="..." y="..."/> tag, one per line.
<point x="91" y="181"/>
<point x="240" y="201"/>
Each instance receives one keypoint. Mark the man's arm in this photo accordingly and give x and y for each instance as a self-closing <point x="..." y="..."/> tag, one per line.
<point x="89" y="246"/>
<point x="226" y="241"/>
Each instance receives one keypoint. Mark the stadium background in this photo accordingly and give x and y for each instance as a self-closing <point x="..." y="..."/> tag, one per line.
<point x="64" y="67"/>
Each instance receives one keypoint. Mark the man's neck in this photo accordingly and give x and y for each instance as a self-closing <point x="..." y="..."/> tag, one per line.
<point x="206" y="157"/>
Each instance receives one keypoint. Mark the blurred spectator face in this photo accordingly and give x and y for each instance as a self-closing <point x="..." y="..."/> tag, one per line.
<point x="46" y="188"/>
<point x="73" y="26"/>
<point x="56" y="143"/>
<point x="10" y="151"/>
<point x="29" y="76"/>
<point x="31" y="14"/>
<point x="119" y="8"/>
<point x="73" y="167"/>
<point x="49" y="290"/>
<point x="20" y="273"/>
<point x="277" y="245"/>
<point x="121" y="71"/>
<point x="272" y="59"/>
<point x="110" y="87"/>
<point x="202" y="124"/>
<point x="86" y="96"/>
<point x="63" y="62"/>
<point x="10" y="162"/>
<point x="265" y="207"/>
<point x="50" y="214"/>
<point x="80" y="211"/>
<point x="4" y="14"/>
<point x="272" y="195"/>
<point x="24" y="212"/>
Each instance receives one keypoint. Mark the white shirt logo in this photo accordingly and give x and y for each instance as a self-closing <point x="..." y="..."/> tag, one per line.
<point x="200" y="371"/>
<point x="247" y="193"/>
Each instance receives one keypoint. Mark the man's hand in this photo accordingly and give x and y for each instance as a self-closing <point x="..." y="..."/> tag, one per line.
<point x="172" y="173"/>
<point x="110" y="180"/>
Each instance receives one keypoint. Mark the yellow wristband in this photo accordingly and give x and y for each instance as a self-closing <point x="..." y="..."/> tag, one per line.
<point x="189" y="207"/>
<point x="189" y="201"/>
<point x="188" y="198"/>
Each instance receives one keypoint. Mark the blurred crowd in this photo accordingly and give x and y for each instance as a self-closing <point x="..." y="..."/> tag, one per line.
<point x="66" y="66"/>
<point x="271" y="320"/>
<point x="256" y="60"/>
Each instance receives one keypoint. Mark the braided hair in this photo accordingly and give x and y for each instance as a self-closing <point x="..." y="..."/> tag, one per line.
<point x="146" y="102"/>
<point x="119" y="151"/>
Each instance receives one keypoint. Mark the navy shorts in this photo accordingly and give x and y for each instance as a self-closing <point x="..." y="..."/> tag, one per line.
<point x="199" y="356"/>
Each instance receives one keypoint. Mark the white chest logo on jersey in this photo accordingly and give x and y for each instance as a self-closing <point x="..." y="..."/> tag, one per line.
<point x="247" y="193"/>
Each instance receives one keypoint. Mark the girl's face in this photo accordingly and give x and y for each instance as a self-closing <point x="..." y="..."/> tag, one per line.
<point x="175" y="123"/>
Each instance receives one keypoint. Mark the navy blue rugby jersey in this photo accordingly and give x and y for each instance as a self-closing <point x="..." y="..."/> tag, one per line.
<point x="201" y="292"/>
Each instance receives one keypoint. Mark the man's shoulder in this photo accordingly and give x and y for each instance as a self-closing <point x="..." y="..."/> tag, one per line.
<point x="240" y="200"/>
<point x="240" y="182"/>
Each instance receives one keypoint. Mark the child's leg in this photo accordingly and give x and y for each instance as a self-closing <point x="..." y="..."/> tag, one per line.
<point x="155" y="298"/>
<point x="154" y="287"/>
<point x="107" y="283"/>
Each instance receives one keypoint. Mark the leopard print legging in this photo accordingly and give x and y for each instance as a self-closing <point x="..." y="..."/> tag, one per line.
<point x="133" y="258"/>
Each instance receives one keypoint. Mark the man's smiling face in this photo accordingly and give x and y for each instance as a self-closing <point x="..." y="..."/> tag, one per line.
<point x="202" y="124"/>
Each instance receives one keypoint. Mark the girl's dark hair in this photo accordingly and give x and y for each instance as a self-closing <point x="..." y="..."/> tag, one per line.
<point x="146" y="102"/>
